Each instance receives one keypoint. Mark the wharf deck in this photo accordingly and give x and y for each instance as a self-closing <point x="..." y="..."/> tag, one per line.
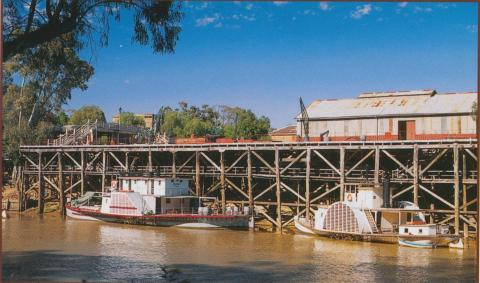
<point x="280" y="179"/>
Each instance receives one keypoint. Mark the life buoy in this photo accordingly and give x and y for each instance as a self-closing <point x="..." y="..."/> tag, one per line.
<point x="349" y="197"/>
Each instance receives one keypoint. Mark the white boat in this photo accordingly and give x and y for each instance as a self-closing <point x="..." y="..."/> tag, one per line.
<point x="303" y="225"/>
<point x="156" y="202"/>
<point x="416" y="243"/>
<point x="363" y="216"/>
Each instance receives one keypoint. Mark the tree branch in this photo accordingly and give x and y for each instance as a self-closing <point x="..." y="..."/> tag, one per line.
<point x="44" y="33"/>
<point x="31" y="13"/>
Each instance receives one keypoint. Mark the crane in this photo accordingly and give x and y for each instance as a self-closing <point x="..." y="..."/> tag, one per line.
<point x="304" y="120"/>
<point x="158" y="121"/>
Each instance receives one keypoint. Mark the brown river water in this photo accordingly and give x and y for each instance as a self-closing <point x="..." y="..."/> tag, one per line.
<point x="52" y="249"/>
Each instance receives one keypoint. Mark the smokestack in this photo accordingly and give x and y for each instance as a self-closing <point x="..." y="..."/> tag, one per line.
<point x="386" y="191"/>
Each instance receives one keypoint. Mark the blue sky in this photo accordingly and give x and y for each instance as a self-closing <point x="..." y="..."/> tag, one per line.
<point x="264" y="55"/>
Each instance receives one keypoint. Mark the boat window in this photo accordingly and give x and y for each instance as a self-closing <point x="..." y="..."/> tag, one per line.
<point x="419" y="231"/>
<point x="405" y="230"/>
<point x="416" y="217"/>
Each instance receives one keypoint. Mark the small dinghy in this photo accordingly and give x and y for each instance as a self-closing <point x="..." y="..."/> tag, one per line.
<point x="425" y="244"/>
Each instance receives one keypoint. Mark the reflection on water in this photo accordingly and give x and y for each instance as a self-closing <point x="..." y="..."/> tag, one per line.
<point x="49" y="248"/>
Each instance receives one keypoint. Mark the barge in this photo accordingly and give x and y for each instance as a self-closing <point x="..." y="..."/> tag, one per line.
<point x="365" y="215"/>
<point x="156" y="202"/>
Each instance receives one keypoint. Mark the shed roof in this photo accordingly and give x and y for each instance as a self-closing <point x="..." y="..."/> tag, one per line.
<point x="285" y="131"/>
<point x="392" y="104"/>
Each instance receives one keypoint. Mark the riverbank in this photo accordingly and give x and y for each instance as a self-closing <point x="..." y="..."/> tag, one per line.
<point x="50" y="248"/>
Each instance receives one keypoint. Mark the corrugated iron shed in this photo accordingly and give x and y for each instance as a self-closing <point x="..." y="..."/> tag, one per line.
<point x="392" y="104"/>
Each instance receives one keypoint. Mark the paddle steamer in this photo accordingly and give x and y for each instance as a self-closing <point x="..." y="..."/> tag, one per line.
<point x="365" y="214"/>
<point x="157" y="202"/>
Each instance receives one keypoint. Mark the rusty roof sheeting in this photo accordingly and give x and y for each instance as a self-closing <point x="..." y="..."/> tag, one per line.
<point x="287" y="130"/>
<point x="397" y="105"/>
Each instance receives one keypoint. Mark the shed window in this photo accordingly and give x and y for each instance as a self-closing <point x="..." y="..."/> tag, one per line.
<point x="167" y="200"/>
<point x="419" y="231"/>
<point x="405" y="230"/>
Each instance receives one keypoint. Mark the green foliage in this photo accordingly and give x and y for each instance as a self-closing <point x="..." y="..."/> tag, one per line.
<point x="242" y="123"/>
<point x="17" y="106"/>
<point x="33" y="109"/>
<point x="103" y="140"/>
<point x="129" y="119"/>
<point x="49" y="73"/>
<point x="90" y="113"/>
<point x="62" y="118"/>
<point x="186" y="121"/>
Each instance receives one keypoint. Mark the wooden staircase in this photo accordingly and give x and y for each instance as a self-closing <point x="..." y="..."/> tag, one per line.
<point x="371" y="221"/>
<point x="78" y="135"/>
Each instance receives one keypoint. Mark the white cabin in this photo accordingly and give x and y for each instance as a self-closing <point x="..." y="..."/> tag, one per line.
<point x="364" y="197"/>
<point x="147" y="195"/>
<point x="160" y="187"/>
<point x="418" y="229"/>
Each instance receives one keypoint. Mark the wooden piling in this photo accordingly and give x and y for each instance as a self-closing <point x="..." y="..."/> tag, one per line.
<point x="249" y="182"/>
<point x="307" y="183"/>
<point x="41" y="187"/>
<point x="61" y="184"/>
<point x="278" y="185"/>
<point x="82" y="172"/>
<point x="456" y="185"/>
<point x="464" y="193"/>
<point x="342" y="172"/>
<point x="415" y="174"/>
<point x="174" y="166"/>
<point x="222" y="181"/>
<point x="197" y="173"/>
<point x="376" y="173"/>
<point x="127" y="164"/>
<point x="150" y="164"/>
<point x="104" y="170"/>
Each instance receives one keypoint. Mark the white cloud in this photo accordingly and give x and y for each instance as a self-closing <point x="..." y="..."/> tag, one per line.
<point x="472" y="28"/>
<point x="324" y="6"/>
<point x="446" y="5"/>
<point x="361" y="11"/>
<point x="402" y="4"/>
<point x="121" y="46"/>
<point x="422" y="10"/>
<point x="249" y="18"/>
<point x="249" y="6"/>
<point x="218" y="25"/>
<point x="309" y="12"/>
<point x="205" y="21"/>
<point x="279" y="3"/>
